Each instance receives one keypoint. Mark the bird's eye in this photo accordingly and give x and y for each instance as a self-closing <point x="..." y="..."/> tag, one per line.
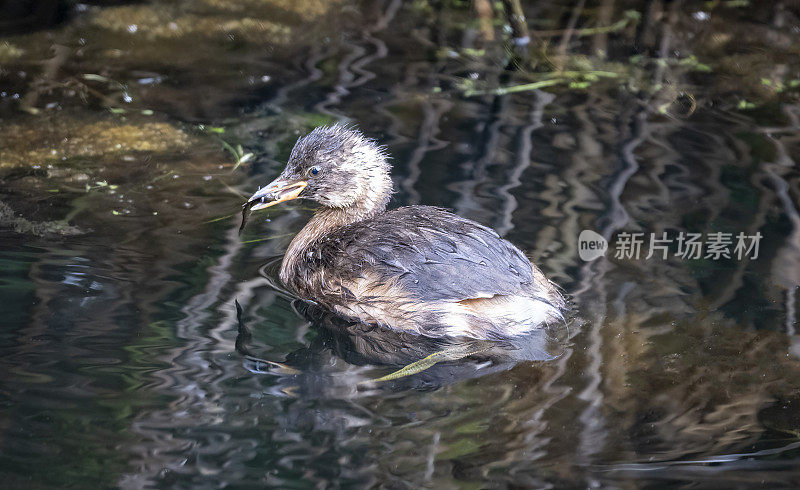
<point x="313" y="170"/>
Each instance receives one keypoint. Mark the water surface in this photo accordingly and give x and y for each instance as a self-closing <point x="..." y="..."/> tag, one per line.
<point x="122" y="262"/>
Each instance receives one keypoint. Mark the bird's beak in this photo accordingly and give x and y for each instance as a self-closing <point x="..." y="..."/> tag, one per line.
<point x="279" y="190"/>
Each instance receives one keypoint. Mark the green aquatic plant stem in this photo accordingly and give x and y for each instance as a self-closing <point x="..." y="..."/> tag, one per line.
<point x="515" y="88"/>
<point x="631" y="17"/>
<point x="273" y="237"/>
<point x="238" y="153"/>
<point x="220" y="218"/>
<point x="553" y="79"/>
<point x="449" y="354"/>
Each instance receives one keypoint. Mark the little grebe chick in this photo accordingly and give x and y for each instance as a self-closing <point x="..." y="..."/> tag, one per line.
<point x="417" y="269"/>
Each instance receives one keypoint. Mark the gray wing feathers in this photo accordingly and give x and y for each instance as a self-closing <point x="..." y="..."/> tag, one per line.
<point x="433" y="254"/>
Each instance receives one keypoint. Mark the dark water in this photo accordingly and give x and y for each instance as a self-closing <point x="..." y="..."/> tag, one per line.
<point x="122" y="262"/>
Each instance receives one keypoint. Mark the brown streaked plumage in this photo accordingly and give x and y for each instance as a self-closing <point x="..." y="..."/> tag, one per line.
<point x="417" y="269"/>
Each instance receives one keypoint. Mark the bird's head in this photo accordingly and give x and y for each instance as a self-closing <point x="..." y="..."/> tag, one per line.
<point x="337" y="167"/>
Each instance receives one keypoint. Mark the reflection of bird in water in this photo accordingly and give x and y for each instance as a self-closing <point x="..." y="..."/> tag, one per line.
<point x="309" y="369"/>
<point x="417" y="269"/>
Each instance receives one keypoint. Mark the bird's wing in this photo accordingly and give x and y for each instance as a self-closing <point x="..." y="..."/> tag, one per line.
<point x="433" y="255"/>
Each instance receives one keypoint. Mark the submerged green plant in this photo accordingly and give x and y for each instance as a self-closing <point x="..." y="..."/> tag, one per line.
<point x="745" y="105"/>
<point x="21" y="225"/>
<point x="453" y="353"/>
<point x="573" y="79"/>
<point x="102" y="184"/>
<point x="238" y="153"/>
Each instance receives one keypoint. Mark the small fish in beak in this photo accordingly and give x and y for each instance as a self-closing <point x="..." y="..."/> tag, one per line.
<point x="277" y="191"/>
